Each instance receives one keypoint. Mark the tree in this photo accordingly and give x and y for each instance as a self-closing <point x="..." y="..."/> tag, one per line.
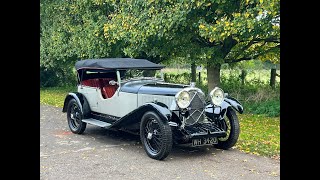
<point x="210" y="32"/>
<point x="69" y="31"/>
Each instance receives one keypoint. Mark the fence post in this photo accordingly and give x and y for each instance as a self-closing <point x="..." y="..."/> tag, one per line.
<point x="193" y="72"/>
<point x="273" y="78"/>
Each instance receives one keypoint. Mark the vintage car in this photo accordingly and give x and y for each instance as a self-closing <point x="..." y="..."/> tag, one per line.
<point x="113" y="96"/>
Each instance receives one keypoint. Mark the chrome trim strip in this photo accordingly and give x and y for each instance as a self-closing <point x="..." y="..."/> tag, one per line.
<point x="119" y="82"/>
<point x="172" y="123"/>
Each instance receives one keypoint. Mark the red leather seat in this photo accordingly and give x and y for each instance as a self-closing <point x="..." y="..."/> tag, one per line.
<point x="86" y="82"/>
<point x="103" y="82"/>
<point x="107" y="90"/>
<point x="91" y="82"/>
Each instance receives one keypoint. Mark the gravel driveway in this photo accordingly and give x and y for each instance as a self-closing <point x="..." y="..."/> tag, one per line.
<point x="105" y="154"/>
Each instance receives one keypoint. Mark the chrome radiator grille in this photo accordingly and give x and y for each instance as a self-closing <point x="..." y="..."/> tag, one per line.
<point x="197" y="100"/>
<point x="197" y="105"/>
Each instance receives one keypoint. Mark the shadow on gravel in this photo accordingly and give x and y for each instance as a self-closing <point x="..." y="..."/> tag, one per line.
<point x="106" y="135"/>
<point x="111" y="137"/>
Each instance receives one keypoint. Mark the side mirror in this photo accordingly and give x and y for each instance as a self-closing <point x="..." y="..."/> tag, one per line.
<point x="113" y="82"/>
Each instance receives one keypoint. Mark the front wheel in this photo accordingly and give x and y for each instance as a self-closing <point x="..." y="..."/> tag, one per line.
<point x="155" y="135"/>
<point x="231" y="125"/>
<point x="74" y="117"/>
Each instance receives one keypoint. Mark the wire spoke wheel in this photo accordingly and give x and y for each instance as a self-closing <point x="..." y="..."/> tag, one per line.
<point x="74" y="116"/>
<point x="155" y="135"/>
<point x="226" y="126"/>
<point x="231" y="126"/>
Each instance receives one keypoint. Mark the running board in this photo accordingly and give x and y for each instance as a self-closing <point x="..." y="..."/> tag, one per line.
<point x="96" y="122"/>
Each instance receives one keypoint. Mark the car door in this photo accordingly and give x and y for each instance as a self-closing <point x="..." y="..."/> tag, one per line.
<point x="91" y="94"/>
<point x="120" y="104"/>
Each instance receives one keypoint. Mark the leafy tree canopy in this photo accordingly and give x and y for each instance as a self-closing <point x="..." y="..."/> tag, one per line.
<point x="221" y="31"/>
<point x="69" y="31"/>
<point x="212" y="32"/>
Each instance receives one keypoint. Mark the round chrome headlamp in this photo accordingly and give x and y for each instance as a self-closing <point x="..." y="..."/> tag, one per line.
<point x="217" y="96"/>
<point x="183" y="99"/>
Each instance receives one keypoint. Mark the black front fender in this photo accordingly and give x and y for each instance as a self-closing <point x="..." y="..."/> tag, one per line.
<point x="70" y="96"/>
<point x="82" y="101"/>
<point x="135" y="116"/>
<point x="235" y="104"/>
<point x="221" y="110"/>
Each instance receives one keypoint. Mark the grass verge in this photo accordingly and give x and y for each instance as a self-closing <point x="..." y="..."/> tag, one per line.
<point x="55" y="95"/>
<point x="259" y="134"/>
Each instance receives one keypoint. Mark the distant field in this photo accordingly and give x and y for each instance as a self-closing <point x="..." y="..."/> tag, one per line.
<point x="263" y="75"/>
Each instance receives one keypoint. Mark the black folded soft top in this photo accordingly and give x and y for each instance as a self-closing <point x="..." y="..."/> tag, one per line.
<point x="117" y="63"/>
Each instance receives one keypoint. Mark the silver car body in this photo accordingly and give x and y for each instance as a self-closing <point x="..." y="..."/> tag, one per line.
<point x="118" y="105"/>
<point x="121" y="103"/>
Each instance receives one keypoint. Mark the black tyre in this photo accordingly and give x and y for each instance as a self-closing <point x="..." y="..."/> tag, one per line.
<point x="232" y="127"/>
<point x="155" y="135"/>
<point x="74" y="117"/>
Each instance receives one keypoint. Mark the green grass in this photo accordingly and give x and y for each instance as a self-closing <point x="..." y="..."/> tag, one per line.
<point x="55" y="95"/>
<point x="259" y="134"/>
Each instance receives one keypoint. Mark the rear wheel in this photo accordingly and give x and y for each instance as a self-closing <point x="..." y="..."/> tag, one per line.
<point x="155" y="135"/>
<point x="232" y="128"/>
<point x="74" y="117"/>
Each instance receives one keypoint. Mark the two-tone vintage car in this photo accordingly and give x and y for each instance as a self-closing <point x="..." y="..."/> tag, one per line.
<point x="114" y="94"/>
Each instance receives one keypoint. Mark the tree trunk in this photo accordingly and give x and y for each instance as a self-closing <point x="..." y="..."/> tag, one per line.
<point x="243" y="76"/>
<point x="213" y="76"/>
<point x="193" y="72"/>
<point x="273" y="78"/>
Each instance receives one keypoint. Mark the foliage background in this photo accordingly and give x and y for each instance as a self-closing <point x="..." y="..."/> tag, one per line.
<point x="205" y="32"/>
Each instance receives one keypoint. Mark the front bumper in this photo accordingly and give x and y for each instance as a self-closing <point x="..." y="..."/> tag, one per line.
<point x="204" y="130"/>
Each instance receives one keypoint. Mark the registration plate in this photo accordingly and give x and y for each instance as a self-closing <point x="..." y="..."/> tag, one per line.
<point x="204" y="141"/>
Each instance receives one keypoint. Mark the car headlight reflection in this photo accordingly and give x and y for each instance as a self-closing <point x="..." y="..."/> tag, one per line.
<point x="217" y="96"/>
<point x="183" y="99"/>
